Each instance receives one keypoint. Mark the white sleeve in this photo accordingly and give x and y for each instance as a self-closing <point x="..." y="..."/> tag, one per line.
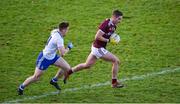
<point x="60" y="42"/>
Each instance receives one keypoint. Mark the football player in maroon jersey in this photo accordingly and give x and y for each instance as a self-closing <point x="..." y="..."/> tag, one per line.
<point x="98" y="49"/>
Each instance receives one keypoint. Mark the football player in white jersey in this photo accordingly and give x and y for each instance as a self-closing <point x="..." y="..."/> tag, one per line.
<point x="49" y="57"/>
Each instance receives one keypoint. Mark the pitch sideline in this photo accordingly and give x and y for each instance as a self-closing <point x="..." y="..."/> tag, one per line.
<point x="139" y="77"/>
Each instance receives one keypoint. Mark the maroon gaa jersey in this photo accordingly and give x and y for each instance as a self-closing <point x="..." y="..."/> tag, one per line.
<point x="108" y="28"/>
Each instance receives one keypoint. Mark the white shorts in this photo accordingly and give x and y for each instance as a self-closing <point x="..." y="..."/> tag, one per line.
<point x="98" y="52"/>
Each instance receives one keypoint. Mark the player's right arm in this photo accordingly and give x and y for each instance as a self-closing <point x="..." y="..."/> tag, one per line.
<point x="61" y="47"/>
<point x="99" y="36"/>
<point x="101" y="31"/>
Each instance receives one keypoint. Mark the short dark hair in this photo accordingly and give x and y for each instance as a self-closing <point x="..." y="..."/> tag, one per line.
<point x="63" y="25"/>
<point x="117" y="13"/>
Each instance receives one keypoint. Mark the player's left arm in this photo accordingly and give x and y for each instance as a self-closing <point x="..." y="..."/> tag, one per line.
<point x="99" y="36"/>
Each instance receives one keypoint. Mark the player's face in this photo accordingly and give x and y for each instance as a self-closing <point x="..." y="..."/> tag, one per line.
<point x="118" y="19"/>
<point x="64" y="31"/>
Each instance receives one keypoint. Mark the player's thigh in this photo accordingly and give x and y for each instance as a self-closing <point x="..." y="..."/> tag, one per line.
<point x="91" y="59"/>
<point x="62" y="64"/>
<point x="110" y="57"/>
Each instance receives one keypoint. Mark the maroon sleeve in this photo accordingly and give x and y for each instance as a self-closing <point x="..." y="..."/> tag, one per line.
<point x="103" y="26"/>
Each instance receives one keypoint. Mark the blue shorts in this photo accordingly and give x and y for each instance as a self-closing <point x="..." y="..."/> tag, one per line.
<point x="42" y="63"/>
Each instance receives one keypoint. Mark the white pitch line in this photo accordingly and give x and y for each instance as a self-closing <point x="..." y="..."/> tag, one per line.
<point x="139" y="77"/>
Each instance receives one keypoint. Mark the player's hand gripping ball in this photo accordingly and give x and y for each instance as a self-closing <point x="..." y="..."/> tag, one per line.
<point x="115" y="38"/>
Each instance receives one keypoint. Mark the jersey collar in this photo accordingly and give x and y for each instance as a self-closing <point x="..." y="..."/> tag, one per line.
<point x="111" y="22"/>
<point x="60" y="33"/>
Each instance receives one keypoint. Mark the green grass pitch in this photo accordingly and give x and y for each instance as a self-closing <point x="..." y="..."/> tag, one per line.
<point x="150" y="42"/>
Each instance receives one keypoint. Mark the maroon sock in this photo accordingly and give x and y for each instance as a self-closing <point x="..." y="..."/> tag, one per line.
<point x="114" y="81"/>
<point x="70" y="72"/>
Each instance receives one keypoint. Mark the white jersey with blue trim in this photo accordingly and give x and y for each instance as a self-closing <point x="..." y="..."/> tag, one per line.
<point x="54" y="42"/>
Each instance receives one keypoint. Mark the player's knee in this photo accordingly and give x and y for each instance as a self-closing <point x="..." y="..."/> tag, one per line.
<point x="36" y="77"/>
<point x="68" y="68"/>
<point x="88" y="66"/>
<point x="116" y="61"/>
